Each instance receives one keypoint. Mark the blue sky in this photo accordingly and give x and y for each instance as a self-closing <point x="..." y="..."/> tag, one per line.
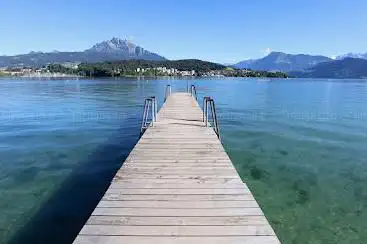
<point x="217" y="30"/>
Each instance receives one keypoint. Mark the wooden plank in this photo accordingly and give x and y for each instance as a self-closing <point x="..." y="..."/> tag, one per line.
<point x="187" y="166"/>
<point x="178" y="181"/>
<point x="177" y="156"/>
<point x="197" y="160"/>
<point x="168" y="172"/>
<point x="121" y="196"/>
<point x="244" y="230"/>
<point x="149" y="185"/>
<point x="98" y="239"/>
<point x="169" y="150"/>
<point x="176" y="176"/>
<point x="173" y="204"/>
<point x="177" y="148"/>
<point x="195" y="221"/>
<point x="182" y="191"/>
<point x="182" y="142"/>
<point x="183" y="146"/>
<point x="179" y="170"/>
<point x="174" y="212"/>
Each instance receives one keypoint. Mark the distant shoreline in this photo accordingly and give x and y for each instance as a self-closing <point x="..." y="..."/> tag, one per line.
<point x="66" y="76"/>
<point x="40" y="75"/>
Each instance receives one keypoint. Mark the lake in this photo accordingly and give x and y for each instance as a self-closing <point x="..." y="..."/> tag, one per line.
<point x="299" y="144"/>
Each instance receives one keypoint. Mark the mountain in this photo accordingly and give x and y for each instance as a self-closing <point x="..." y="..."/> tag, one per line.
<point x="111" y="50"/>
<point x="352" y="55"/>
<point x="351" y="68"/>
<point x="123" y="47"/>
<point x="245" y="64"/>
<point x="278" y="61"/>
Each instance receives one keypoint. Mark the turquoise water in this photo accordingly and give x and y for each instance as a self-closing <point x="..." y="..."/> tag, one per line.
<point x="299" y="144"/>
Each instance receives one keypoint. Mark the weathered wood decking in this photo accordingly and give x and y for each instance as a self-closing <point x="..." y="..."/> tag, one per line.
<point x="178" y="185"/>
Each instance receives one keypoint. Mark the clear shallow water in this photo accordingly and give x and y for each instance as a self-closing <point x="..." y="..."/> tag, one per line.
<point x="299" y="144"/>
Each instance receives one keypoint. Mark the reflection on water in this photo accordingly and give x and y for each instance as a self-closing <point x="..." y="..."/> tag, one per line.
<point x="299" y="144"/>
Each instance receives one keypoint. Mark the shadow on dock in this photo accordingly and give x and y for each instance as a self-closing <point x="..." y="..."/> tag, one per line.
<point x="61" y="218"/>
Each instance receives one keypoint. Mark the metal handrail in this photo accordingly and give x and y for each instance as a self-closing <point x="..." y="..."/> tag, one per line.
<point x="155" y="109"/>
<point x="168" y="92"/>
<point x="205" y="113"/>
<point x="149" y="114"/>
<point x="215" y="120"/>
<point x="193" y="92"/>
<point x="209" y="102"/>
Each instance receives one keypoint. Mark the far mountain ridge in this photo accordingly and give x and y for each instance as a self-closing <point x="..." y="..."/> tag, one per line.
<point x="347" y="68"/>
<point x="117" y="49"/>
<point x="352" y="55"/>
<point x="110" y="50"/>
<point x="279" y="61"/>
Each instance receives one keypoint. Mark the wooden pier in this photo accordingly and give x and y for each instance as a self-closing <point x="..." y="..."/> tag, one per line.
<point x="178" y="186"/>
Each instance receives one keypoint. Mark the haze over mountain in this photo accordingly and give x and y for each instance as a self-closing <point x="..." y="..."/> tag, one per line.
<point x="278" y="61"/>
<point x="347" y="68"/>
<point x="111" y="50"/>
<point x="352" y="55"/>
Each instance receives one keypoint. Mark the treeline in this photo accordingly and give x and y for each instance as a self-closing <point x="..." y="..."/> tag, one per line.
<point x="131" y="67"/>
<point x="253" y="73"/>
<point x="59" y="68"/>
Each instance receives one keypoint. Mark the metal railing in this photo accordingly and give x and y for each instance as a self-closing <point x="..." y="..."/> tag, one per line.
<point x="209" y="104"/>
<point x="193" y="92"/>
<point x="168" y="92"/>
<point x="149" y="114"/>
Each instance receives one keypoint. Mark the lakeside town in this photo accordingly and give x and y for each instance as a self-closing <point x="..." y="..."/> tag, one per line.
<point x="33" y="73"/>
<point x="133" y="68"/>
<point x="47" y="72"/>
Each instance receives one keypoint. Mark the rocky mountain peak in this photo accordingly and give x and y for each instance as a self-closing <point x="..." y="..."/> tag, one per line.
<point x="117" y="45"/>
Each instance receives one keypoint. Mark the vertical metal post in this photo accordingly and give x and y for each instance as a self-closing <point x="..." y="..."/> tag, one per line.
<point x="153" y="110"/>
<point x="156" y="108"/>
<point x="168" y="92"/>
<point x="165" y="94"/>
<point x="213" y="116"/>
<point x="149" y="105"/>
<point x="206" y="112"/>
<point x="216" y="122"/>
<point x="204" y="109"/>
<point x="144" y="116"/>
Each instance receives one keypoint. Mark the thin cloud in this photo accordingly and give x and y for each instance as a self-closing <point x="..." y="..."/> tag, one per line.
<point x="266" y="51"/>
